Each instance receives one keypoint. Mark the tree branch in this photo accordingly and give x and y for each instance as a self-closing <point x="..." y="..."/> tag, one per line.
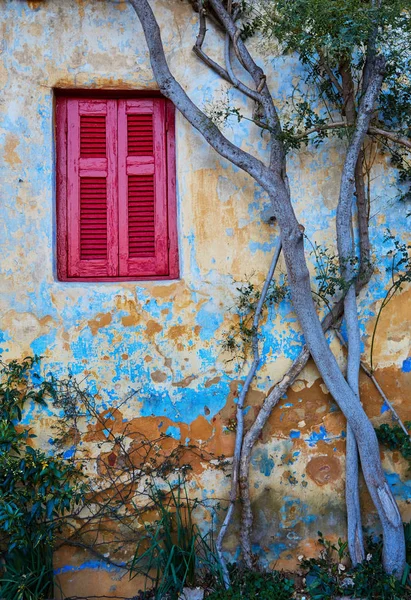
<point x="277" y="151"/>
<point x="198" y="119"/>
<point x="240" y="412"/>
<point x="214" y="66"/>
<point x="391" y="135"/>
<point x="345" y="251"/>
<point x="378" y="387"/>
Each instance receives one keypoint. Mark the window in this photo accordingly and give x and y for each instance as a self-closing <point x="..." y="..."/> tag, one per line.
<point x="116" y="216"/>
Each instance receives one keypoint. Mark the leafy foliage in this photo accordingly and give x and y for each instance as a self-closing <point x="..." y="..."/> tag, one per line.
<point x="330" y="283"/>
<point x="271" y="585"/>
<point x="28" y="575"/>
<point x="36" y="490"/>
<point x="394" y="438"/>
<point x="337" y="29"/>
<point x="238" y="339"/>
<point x="331" y="38"/>
<point x="328" y="576"/>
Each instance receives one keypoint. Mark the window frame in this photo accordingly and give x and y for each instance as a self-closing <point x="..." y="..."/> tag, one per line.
<point x="62" y="228"/>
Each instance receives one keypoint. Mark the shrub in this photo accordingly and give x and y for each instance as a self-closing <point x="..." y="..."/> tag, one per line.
<point x="36" y="490"/>
<point x="328" y="577"/>
<point x="263" y="585"/>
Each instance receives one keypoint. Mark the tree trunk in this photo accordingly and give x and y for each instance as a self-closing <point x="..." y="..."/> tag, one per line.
<point x="394" y="548"/>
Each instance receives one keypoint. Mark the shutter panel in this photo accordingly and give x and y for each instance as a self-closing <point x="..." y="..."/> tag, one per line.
<point x="92" y="188"/>
<point x="143" y="233"/>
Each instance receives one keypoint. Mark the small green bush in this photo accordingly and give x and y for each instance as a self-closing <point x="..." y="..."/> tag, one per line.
<point x="36" y="489"/>
<point x="327" y="576"/>
<point x="263" y="585"/>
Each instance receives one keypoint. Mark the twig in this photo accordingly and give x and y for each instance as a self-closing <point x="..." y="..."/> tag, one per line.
<point x="228" y="74"/>
<point x="322" y="127"/>
<point x="378" y="387"/>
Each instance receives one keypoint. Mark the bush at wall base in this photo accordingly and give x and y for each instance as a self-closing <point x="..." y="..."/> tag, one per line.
<point x="36" y="489"/>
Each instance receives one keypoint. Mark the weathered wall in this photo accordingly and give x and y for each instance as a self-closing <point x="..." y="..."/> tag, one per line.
<point x="165" y="337"/>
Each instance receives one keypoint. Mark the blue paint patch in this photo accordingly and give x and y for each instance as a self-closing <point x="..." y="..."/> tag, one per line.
<point x="277" y="549"/>
<point x="44" y="342"/>
<point x="384" y="408"/>
<point x="406" y="365"/>
<point x="400" y="489"/>
<point x="89" y="564"/>
<point x="261" y="246"/>
<point x="70" y="452"/>
<point x="293" y="512"/>
<point x="315" y="436"/>
<point x="210" y="319"/>
<point x="264" y="462"/>
<point x="229" y="231"/>
<point x="174" y="432"/>
<point x="294" y="434"/>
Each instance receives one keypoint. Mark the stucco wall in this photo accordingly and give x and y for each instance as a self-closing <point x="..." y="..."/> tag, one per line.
<point x="165" y="337"/>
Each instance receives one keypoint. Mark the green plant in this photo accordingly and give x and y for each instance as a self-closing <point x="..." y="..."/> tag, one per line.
<point x="36" y="490"/>
<point x="328" y="576"/>
<point x="330" y="282"/>
<point x="394" y="438"/>
<point x="371" y="581"/>
<point x="28" y="575"/>
<point x="263" y="585"/>
<point x="238" y="339"/>
<point x="173" y="552"/>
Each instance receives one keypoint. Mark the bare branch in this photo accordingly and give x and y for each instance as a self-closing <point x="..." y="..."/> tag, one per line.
<point x="321" y="127"/>
<point x="245" y="58"/>
<point x="398" y="138"/>
<point x="240" y="413"/>
<point x="324" y="64"/>
<point x="198" y="119"/>
<point x="378" y="387"/>
<point x="214" y="66"/>
<point x="394" y="136"/>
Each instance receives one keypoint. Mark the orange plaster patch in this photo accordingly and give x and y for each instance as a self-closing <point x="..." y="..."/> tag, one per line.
<point x="324" y="469"/>
<point x="176" y="332"/>
<point x="10" y="154"/>
<point x="185" y="382"/>
<point x="152" y="328"/>
<point x="158" y="376"/>
<point x="212" y="381"/>
<point x="101" y="320"/>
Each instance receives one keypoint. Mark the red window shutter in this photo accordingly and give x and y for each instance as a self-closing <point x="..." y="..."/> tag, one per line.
<point x="143" y="231"/>
<point x="92" y="199"/>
